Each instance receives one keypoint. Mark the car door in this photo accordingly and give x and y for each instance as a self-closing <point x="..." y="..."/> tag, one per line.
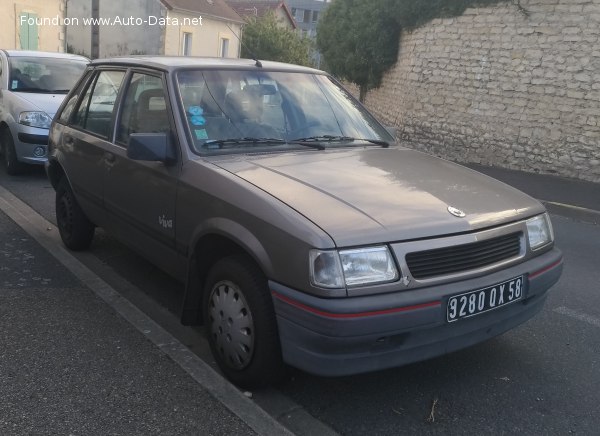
<point x="140" y="196"/>
<point x="87" y="137"/>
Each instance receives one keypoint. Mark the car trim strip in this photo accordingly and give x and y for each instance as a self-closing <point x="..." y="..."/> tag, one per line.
<point x="545" y="269"/>
<point x="319" y="312"/>
<point x="30" y="138"/>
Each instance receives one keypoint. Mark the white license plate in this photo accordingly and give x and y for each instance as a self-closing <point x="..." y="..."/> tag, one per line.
<point x="483" y="300"/>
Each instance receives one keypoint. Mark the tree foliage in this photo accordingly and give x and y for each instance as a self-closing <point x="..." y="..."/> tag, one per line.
<point x="266" y="39"/>
<point x="359" y="39"/>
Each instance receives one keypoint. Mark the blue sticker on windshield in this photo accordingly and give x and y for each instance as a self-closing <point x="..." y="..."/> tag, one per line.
<point x="198" y="120"/>
<point x="195" y="110"/>
<point x="15" y="84"/>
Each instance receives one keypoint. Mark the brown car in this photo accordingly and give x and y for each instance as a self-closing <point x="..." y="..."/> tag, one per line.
<point x="305" y="235"/>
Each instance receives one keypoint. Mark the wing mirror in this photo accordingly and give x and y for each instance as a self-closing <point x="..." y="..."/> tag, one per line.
<point x="154" y="147"/>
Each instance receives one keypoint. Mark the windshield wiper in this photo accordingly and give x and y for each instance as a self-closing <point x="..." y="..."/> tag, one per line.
<point x="334" y="138"/>
<point x="221" y="142"/>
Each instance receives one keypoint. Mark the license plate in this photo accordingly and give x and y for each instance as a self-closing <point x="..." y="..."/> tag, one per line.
<point x="483" y="300"/>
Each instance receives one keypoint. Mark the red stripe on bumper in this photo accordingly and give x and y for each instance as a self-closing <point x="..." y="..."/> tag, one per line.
<point x="310" y="309"/>
<point x="545" y="269"/>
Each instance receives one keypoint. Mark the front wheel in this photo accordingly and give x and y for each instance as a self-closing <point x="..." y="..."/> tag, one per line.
<point x="240" y="323"/>
<point x="76" y="230"/>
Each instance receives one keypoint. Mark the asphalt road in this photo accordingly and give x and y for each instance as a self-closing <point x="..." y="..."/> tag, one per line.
<point x="541" y="378"/>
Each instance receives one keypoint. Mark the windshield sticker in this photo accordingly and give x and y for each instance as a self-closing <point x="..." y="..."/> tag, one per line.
<point x="196" y="117"/>
<point x="15" y="84"/>
<point x="198" y="120"/>
<point x="201" y="134"/>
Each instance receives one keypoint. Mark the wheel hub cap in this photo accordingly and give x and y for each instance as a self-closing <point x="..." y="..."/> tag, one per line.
<point x="231" y="324"/>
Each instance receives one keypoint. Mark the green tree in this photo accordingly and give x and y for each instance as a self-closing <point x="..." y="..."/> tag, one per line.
<point x="266" y="39"/>
<point x="359" y="41"/>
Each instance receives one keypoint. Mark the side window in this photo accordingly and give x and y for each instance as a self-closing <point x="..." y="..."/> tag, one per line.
<point x="70" y="105"/>
<point x="95" y="109"/>
<point x="144" y="109"/>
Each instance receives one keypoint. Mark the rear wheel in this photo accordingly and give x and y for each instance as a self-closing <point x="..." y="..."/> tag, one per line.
<point x="76" y="230"/>
<point x="9" y="154"/>
<point x="240" y="323"/>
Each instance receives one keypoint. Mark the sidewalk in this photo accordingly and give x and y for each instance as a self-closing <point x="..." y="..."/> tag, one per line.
<point x="77" y="358"/>
<point x="568" y="197"/>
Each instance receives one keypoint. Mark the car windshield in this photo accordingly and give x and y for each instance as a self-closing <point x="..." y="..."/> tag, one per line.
<point x="44" y="75"/>
<point x="232" y="111"/>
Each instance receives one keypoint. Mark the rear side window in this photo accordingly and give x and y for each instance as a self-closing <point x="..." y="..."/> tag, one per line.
<point x="95" y="110"/>
<point x="144" y="108"/>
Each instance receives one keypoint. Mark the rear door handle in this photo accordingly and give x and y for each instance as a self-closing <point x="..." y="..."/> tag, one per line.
<point x="69" y="140"/>
<point x="109" y="158"/>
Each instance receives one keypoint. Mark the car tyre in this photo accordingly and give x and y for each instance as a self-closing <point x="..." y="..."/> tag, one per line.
<point x="76" y="230"/>
<point x="12" y="165"/>
<point x="240" y="323"/>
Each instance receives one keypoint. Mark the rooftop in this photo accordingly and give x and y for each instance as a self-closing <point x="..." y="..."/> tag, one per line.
<point x="212" y="8"/>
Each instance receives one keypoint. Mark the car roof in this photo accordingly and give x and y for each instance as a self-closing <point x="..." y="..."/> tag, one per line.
<point x="43" y="54"/>
<point x="169" y="63"/>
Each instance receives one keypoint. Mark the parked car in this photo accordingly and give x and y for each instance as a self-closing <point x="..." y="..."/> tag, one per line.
<point x="304" y="233"/>
<point x="32" y="86"/>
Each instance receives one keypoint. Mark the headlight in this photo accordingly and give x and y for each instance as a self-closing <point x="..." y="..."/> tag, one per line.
<point x="539" y="231"/>
<point x="35" y="119"/>
<point x="361" y="266"/>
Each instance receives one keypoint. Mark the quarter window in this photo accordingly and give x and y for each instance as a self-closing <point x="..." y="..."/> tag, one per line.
<point x="95" y="109"/>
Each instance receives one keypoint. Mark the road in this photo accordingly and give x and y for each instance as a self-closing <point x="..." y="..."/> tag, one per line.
<point x="541" y="378"/>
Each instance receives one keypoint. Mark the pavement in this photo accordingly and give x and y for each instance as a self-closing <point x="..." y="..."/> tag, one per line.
<point x="77" y="358"/>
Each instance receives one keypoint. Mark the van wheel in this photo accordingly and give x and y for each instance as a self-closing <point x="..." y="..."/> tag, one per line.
<point x="240" y="323"/>
<point x="76" y="230"/>
<point x="12" y="165"/>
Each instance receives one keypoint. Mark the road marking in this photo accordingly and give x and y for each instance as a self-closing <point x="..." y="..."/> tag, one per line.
<point x="584" y="214"/>
<point x="46" y="234"/>
<point x="578" y="315"/>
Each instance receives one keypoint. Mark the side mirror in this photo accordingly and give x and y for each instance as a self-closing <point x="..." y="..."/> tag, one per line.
<point x="154" y="147"/>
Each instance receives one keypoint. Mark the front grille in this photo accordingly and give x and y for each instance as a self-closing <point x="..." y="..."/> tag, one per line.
<point x="459" y="258"/>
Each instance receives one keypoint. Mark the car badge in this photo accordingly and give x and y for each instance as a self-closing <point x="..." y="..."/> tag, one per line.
<point x="456" y="212"/>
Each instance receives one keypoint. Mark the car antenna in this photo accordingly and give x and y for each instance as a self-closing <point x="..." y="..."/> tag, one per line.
<point x="258" y="63"/>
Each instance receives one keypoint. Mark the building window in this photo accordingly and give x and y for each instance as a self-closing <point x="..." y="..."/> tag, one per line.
<point x="186" y="46"/>
<point x="306" y="16"/>
<point x="315" y="16"/>
<point x="224" y="47"/>
<point x="299" y="15"/>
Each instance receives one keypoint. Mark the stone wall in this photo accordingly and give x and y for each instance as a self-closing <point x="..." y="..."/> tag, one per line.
<point x="498" y="87"/>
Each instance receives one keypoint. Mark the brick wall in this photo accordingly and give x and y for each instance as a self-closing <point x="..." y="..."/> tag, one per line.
<point x="496" y="87"/>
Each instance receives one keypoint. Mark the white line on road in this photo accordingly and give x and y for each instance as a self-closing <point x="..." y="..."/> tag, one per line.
<point x="595" y="321"/>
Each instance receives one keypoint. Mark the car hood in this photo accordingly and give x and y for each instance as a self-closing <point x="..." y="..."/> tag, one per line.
<point x="48" y="103"/>
<point x="371" y="195"/>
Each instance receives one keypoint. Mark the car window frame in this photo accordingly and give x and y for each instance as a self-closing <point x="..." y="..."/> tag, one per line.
<point x="123" y="94"/>
<point x="80" y="87"/>
<point x="92" y="82"/>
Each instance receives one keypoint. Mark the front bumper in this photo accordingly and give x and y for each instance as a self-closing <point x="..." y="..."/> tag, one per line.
<point x="31" y="144"/>
<point x="335" y="337"/>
